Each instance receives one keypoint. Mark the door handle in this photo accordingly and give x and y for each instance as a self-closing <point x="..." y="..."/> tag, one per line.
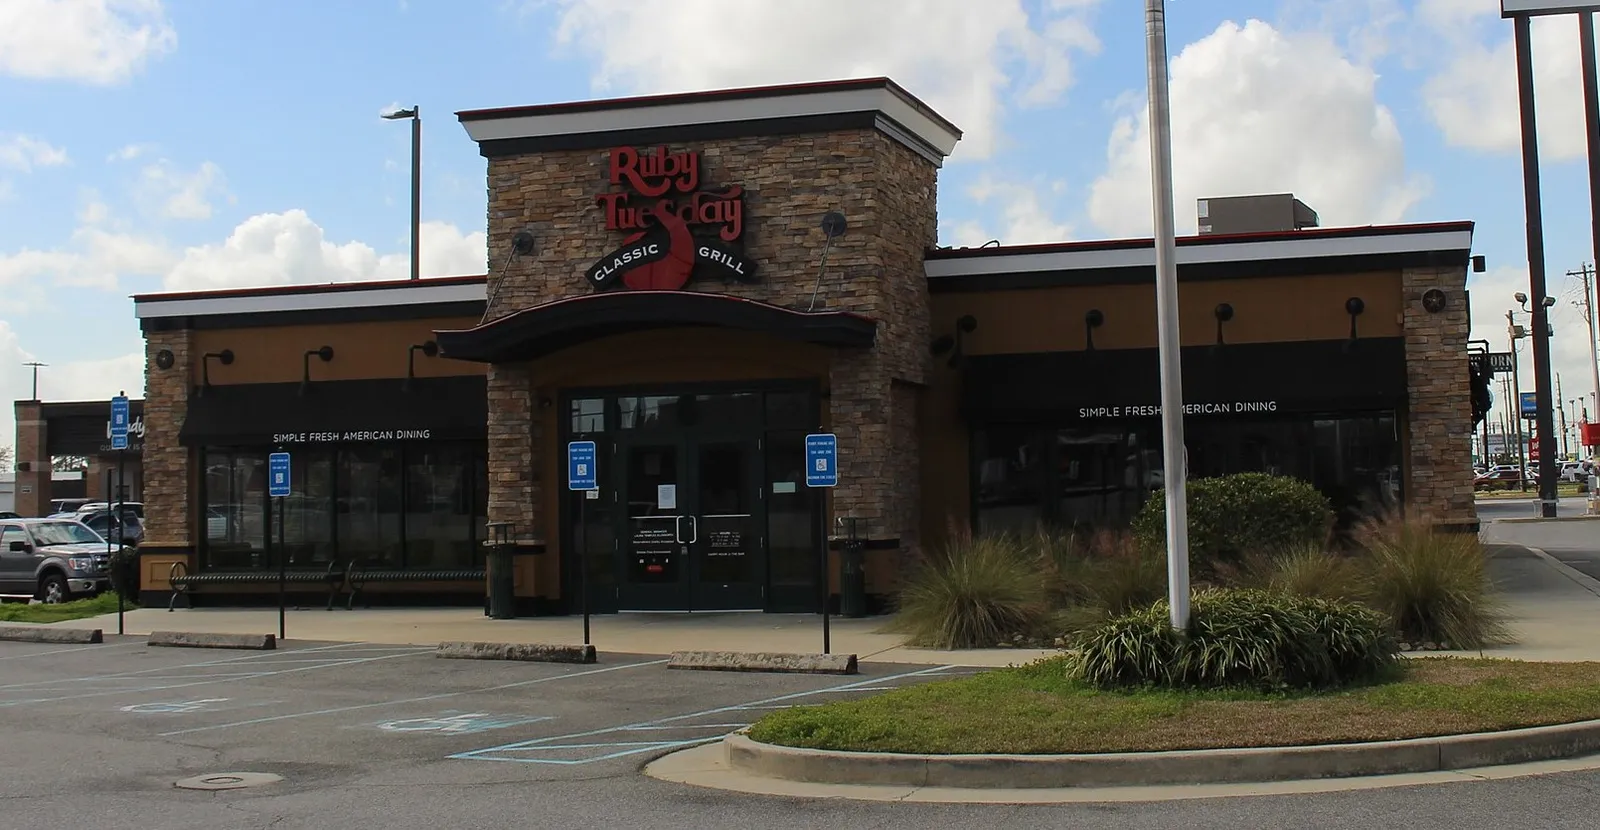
<point x="677" y="529"/>
<point x="695" y="525"/>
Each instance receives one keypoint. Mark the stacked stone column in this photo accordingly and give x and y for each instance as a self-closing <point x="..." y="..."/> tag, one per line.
<point x="1438" y="486"/>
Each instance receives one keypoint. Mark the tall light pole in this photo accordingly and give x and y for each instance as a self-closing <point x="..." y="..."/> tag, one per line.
<point x="1514" y="333"/>
<point x="34" y="365"/>
<point x="1174" y="468"/>
<point x="415" y="114"/>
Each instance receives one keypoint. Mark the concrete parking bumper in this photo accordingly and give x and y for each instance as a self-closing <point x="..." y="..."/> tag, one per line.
<point x="43" y="634"/>
<point x="199" y="639"/>
<point x="526" y="652"/>
<point x="764" y="662"/>
<point x="1143" y="769"/>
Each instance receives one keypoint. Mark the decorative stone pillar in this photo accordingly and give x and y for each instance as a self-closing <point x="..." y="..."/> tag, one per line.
<point x="169" y="488"/>
<point x="32" y="461"/>
<point x="512" y="476"/>
<point x="1438" y="479"/>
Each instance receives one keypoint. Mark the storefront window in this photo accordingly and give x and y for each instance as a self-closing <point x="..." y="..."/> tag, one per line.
<point x="440" y="515"/>
<point x="235" y="509"/>
<point x="369" y="506"/>
<point x="649" y="411"/>
<point x="308" y="510"/>
<point x="588" y="416"/>
<point x="1010" y="479"/>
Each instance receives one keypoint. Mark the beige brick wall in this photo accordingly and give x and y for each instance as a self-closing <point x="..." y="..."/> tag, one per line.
<point x="887" y="194"/>
<point x="169" y="484"/>
<point x="1439" y="426"/>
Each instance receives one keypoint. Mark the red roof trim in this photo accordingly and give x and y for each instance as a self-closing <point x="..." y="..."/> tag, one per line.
<point x="1208" y="239"/>
<point x="772" y="91"/>
<point x="322" y="288"/>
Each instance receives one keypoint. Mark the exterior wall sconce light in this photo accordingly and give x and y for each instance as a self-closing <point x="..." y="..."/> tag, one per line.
<point x="1223" y="312"/>
<point x="325" y="354"/>
<point x="225" y="357"/>
<point x="1353" y="307"/>
<point x="1092" y="319"/>
<point x="833" y="226"/>
<point x="1434" y="300"/>
<point x="954" y="343"/>
<point x="164" y="360"/>
<point x="522" y="244"/>
<point x="427" y="347"/>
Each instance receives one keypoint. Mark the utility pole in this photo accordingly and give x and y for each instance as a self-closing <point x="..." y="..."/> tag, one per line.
<point x="1516" y="400"/>
<point x="1587" y="274"/>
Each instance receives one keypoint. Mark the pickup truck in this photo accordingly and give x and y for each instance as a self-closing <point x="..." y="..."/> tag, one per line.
<point x="52" y="560"/>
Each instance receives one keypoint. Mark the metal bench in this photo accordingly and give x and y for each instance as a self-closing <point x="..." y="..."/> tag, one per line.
<point x="358" y="577"/>
<point x="183" y="582"/>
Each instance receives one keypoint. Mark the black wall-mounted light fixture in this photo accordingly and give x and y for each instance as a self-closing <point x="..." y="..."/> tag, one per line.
<point x="165" y="359"/>
<point x="1223" y="312"/>
<point x="1479" y="264"/>
<point x="324" y="354"/>
<point x="1092" y="319"/>
<point x="522" y="244"/>
<point x="1353" y="307"/>
<point x="955" y="343"/>
<point x="225" y="357"/>
<point x="429" y="348"/>
<point x="1434" y="300"/>
<point x="833" y="226"/>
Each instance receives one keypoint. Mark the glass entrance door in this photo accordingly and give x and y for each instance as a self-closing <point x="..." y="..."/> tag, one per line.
<point x="693" y="536"/>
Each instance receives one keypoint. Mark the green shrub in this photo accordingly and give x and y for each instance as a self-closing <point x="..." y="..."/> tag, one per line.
<point x="1115" y="574"/>
<point x="1434" y="585"/>
<point x="1305" y="571"/>
<point x="973" y="592"/>
<point x="1231" y="516"/>
<point x="1240" y="638"/>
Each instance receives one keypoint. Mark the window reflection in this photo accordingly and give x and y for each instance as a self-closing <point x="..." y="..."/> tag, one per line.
<point x="588" y="415"/>
<point x="235" y="509"/>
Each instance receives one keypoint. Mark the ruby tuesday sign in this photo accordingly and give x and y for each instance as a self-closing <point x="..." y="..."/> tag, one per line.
<point x="676" y="231"/>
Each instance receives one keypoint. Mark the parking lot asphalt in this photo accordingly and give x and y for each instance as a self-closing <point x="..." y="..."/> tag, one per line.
<point x="378" y="736"/>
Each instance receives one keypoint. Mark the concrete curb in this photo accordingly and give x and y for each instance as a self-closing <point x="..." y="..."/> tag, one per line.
<point x="1142" y="769"/>
<point x="1522" y="520"/>
<point x="41" y="634"/>
<point x="198" y="639"/>
<point x="761" y="661"/>
<point x="526" y="652"/>
<point x="1584" y="581"/>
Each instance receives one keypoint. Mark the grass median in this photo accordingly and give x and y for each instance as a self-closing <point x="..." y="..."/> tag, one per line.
<point x="1040" y="709"/>
<point x="60" y="612"/>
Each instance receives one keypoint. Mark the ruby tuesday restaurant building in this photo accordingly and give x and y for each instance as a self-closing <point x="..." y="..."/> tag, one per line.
<point x="696" y="282"/>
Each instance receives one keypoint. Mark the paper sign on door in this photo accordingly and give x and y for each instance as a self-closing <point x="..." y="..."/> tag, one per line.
<point x="667" y="496"/>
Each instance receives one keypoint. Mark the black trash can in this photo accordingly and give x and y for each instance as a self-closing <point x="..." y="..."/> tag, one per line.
<point x="852" y="580"/>
<point x="502" y="587"/>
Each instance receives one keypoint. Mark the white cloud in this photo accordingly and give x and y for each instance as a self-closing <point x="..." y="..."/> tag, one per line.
<point x="1022" y="217"/>
<point x="95" y="41"/>
<point x="25" y="152"/>
<point x="1492" y="296"/>
<point x="1473" y="96"/>
<point x="288" y="247"/>
<point x="128" y="152"/>
<point x="94" y="257"/>
<point x="82" y="380"/>
<point x="963" y="59"/>
<point x="178" y="194"/>
<point x="1256" y="110"/>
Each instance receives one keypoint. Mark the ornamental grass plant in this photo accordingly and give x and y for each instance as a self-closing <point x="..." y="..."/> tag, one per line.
<point x="1434" y="585"/>
<point x="974" y="591"/>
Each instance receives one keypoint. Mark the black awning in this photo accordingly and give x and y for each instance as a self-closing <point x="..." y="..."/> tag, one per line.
<point x="326" y="412"/>
<point x="543" y="329"/>
<point x="1230" y="380"/>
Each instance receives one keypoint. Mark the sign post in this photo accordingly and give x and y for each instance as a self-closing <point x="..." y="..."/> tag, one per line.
<point x="822" y="473"/>
<point x="119" y="442"/>
<point x="582" y="476"/>
<point x="278" y="490"/>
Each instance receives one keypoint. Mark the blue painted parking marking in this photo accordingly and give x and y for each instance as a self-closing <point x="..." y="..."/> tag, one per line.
<point x="456" y="722"/>
<point x="624" y="740"/>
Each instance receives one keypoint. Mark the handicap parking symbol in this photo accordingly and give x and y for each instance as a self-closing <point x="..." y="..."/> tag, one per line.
<point x="464" y="723"/>
<point x="173" y="707"/>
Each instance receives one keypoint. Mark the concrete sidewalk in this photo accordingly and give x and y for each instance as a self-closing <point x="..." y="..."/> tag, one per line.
<point x="656" y="634"/>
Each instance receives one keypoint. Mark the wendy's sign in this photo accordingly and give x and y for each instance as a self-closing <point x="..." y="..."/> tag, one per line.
<point x="675" y="230"/>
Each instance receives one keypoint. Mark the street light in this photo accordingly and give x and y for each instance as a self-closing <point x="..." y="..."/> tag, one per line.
<point x="415" y="114"/>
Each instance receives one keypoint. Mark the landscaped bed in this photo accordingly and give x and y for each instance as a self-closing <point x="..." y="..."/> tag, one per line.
<point x="1041" y="709"/>
<point x="75" y="610"/>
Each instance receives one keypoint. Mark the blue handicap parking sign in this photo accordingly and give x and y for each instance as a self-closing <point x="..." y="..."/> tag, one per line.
<point x="278" y="474"/>
<point x="119" y="422"/>
<point x="581" y="472"/>
<point x="822" y="460"/>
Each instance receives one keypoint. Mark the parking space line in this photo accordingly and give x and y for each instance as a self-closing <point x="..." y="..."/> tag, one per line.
<point x="547" y="744"/>
<point x="268" y="655"/>
<point x="423" y="699"/>
<point x="67" y="650"/>
<point x="144" y="689"/>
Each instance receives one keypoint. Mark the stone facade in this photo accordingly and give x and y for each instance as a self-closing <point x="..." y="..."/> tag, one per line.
<point x="887" y="193"/>
<point x="513" y="492"/>
<point x="169" y="493"/>
<point x="1438" y="486"/>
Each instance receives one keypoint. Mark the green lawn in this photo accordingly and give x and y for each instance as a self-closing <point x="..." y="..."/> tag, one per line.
<point x="1038" y="709"/>
<point x="76" y="610"/>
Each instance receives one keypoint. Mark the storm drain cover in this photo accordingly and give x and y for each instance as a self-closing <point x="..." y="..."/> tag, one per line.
<point x="229" y="781"/>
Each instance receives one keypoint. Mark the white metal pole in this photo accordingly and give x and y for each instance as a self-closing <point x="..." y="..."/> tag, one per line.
<point x="1172" y="448"/>
<point x="1594" y="357"/>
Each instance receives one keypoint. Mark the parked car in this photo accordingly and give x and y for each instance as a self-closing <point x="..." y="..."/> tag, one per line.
<point x="1574" y="471"/>
<point x="52" y="560"/>
<point x="126" y="530"/>
<point x="1501" y="478"/>
<point x="60" y="506"/>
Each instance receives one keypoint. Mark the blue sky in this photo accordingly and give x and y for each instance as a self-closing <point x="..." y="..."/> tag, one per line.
<point x="164" y="144"/>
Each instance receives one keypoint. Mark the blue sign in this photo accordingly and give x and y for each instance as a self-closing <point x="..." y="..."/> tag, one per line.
<point x="119" y="422"/>
<point x="581" y="473"/>
<point x="278" y="475"/>
<point x="822" y="460"/>
<point x="1530" y="404"/>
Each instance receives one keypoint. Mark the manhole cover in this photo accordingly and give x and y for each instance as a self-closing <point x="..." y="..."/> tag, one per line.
<point x="229" y="781"/>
